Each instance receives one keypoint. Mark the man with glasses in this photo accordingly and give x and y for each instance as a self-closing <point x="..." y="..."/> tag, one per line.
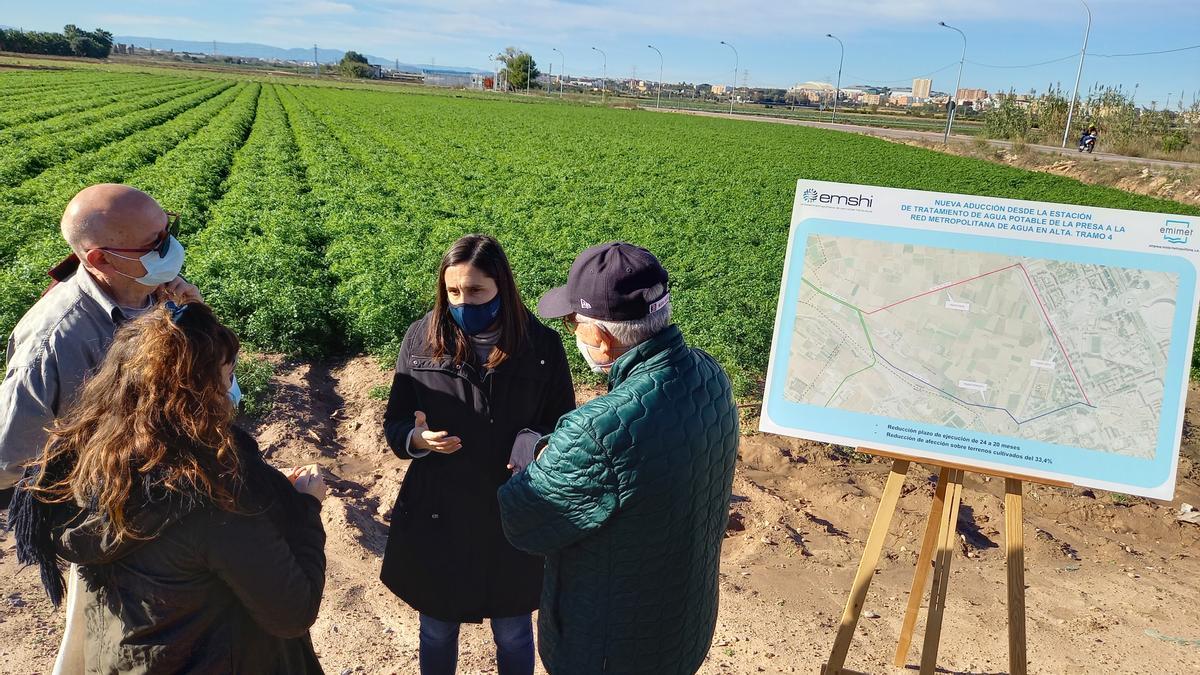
<point x="124" y="258"/>
<point x="629" y="497"/>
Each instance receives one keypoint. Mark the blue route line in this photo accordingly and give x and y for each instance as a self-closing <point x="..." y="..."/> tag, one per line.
<point x="979" y="405"/>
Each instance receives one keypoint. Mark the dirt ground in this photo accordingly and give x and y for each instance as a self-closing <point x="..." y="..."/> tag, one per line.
<point x="1178" y="184"/>
<point x="1113" y="582"/>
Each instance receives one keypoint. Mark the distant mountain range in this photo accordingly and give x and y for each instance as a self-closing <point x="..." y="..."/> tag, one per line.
<point x="260" y="51"/>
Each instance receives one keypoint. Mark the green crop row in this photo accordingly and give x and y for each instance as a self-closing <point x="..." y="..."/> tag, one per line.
<point x="82" y="110"/>
<point x="24" y="86"/>
<point x="27" y="159"/>
<point x="258" y="259"/>
<point x="30" y="243"/>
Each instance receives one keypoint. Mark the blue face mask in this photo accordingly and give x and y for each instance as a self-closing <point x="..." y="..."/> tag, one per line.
<point x="235" y="392"/>
<point x="474" y="319"/>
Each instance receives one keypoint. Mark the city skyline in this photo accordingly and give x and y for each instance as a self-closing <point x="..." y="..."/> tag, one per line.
<point x="779" y="45"/>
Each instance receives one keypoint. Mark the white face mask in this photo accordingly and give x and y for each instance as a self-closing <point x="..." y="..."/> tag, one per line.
<point x="235" y="392"/>
<point x="586" y="351"/>
<point x="159" y="269"/>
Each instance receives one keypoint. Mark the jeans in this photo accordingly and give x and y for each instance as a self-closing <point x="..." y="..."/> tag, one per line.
<point x="514" y="645"/>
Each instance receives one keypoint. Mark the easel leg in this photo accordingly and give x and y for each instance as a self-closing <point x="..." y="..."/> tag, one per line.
<point x="928" y="545"/>
<point x="941" y="572"/>
<point x="866" y="567"/>
<point x="1014" y="547"/>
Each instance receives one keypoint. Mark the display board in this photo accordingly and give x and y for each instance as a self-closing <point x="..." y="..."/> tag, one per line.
<point x="1032" y="339"/>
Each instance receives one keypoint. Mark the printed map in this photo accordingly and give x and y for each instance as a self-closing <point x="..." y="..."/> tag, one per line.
<point x="1060" y="352"/>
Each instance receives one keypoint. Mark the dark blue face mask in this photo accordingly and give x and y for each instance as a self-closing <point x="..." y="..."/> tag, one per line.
<point x="474" y="319"/>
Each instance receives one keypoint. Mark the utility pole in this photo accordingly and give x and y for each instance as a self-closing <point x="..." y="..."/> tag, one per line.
<point x="658" y="100"/>
<point x="562" y="73"/>
<point x="735" y="69"/>
<point x="841" y="59"/>
<point x="1078" y="73"/>
<point x="528" y="71"/>
<point x="954" y="96"/>
<point x="551" y="80"/>
<point x="316" y="62"/>
<point x="604" y="82"/>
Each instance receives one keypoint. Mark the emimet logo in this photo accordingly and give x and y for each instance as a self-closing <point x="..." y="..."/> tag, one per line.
<point x="810" y="195"/>
<point x="1176" y="231"/>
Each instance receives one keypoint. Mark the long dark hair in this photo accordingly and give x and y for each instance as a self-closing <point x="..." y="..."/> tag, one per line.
<point x="485" y="254"/>
<point x="157" y="411"/>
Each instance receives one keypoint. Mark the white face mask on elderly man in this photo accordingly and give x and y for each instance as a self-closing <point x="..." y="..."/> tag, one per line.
<point x="159" y="268"/>
<point x="586" y="351"/>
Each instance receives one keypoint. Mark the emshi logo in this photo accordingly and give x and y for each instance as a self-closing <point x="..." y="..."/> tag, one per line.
<point x="1176" y="231"/>
<point x="810" y="195"/>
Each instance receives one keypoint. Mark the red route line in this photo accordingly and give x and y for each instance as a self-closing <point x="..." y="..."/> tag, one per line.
<point x="942" y="288"/>
<point x="1055" y="332"/>
<point x="1036" y="295"/>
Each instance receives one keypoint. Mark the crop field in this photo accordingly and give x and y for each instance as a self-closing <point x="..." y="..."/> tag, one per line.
<point x="315" y="216"/>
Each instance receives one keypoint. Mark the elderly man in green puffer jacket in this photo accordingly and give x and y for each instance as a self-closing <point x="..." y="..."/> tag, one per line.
<point x="629" y="497"/>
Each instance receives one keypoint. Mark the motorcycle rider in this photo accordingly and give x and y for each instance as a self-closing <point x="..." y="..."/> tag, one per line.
<point x="1088" y="140"/>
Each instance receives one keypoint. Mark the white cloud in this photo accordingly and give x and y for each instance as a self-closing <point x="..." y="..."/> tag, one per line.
<point x="146" y="20"/>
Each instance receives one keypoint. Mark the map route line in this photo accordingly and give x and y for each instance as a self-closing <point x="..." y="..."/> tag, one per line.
<point x="871" y="365"/>
<point x="942" y="288"/>
<point x="866" y="332"/>
<point x="1029" y="280"/>
<point x="1055" y="332"/>
<point x="979" y="405"/>
<point x="876" y="355"/>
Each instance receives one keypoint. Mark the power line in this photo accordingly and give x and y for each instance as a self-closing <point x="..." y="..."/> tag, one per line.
<point x="903" y="79"/>
<point x="1027" y="65"/>
<point x="1165" y="51"/>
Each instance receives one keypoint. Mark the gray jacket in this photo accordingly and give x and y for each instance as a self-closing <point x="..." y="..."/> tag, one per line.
<point x="55" y="346"/>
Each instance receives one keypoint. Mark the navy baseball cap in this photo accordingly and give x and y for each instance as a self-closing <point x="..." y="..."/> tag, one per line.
<point x="610" y="282"/>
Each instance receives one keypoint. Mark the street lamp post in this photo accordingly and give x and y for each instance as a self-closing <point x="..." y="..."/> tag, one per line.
<point x="841" y="59"/>
<point x="1078" y="73"/>
<point x="735" y="69"/>
<point x="604" y="82"/>
<point x="562" y="73"/>
<point x="658" y="101"/>
<point x="954" y="95"/>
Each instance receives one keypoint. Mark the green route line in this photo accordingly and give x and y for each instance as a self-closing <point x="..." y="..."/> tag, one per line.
<point x="863" y="322"/>
<point x="837" y="300"/>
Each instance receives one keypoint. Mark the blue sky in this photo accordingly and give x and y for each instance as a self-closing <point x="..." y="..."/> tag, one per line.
<point x="779" y="42"/>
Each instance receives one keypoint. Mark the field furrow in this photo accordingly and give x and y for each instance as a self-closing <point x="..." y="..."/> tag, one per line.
<point x="259" y="259"/>
<point x="24" y="161"/>
<point x="30" y="244"/>
<point x="190" y="178"/>
<point x="27" y="121"/>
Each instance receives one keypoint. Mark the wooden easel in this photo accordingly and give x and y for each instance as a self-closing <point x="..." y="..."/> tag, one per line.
<point x="938" y="548"/>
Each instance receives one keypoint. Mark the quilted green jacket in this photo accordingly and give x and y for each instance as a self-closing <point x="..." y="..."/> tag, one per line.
<point x="628" y="502"/>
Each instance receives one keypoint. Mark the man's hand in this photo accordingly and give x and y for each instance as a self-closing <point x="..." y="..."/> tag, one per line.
<point x="180" y="291"/>
<point x="435" y="441"/>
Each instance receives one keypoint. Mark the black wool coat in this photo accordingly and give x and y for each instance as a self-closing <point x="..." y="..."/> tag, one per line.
<point x="209" y="592"/>
<point x="446" y="552"/>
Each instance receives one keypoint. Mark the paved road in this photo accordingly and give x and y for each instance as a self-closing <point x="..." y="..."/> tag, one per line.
<point x="884" y="132"/>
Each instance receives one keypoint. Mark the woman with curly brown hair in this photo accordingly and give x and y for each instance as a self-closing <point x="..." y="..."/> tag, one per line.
<point x="196" y="555"/>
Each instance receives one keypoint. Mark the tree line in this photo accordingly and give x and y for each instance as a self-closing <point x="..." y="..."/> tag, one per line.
<point x="72" y="41"/>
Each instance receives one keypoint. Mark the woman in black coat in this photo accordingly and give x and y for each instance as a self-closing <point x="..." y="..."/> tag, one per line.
<point x="479" y="380"/>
